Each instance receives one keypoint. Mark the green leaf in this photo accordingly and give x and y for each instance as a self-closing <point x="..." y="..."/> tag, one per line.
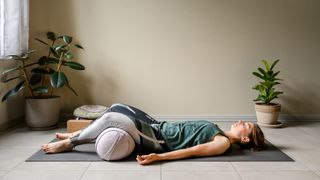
<point x="13" y="91"/>
<point x="51" y="36"/>
<point x="67" y="39"/>
<point x="68" y="85"/>
<point x="79" y="46"/>
<point x="25" y="55"/>
<point x="68" y="55"/>
<point x="262" y="71"/>
<point x="52" y="61"/>
<point x="39" y="71"/>
<point x="258" y="75"/>
<point x="266" y="64"/>
<point x="278" y="93"/>
<point x="277" y="79"/>
<point x="275" y="74"/>
<point x="74" y="65"/>
<point x="14" y="57"/>
<point x="51" y="71"/>
<point x="42" y="60"/>
<point x="42" y="42"/>
<point x="274" y="64"/>
<point x="40" y="89"/>
<point x="57" y="79"/>
<point x="10" y="70"/>
<point x="10" y="79"/>
<point x="54" y="52"/>
<point x="35" y="79"/>
<point x="59" y="47"/>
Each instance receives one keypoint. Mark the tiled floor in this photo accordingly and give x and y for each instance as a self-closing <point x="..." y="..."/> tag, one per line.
<point x="300" y="140"/>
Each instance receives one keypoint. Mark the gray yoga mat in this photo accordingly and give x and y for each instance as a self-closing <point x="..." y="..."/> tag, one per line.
<point x="86" y="152"/>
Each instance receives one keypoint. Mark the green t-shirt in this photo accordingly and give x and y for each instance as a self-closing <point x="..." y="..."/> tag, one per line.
<point x="180" y="135"/>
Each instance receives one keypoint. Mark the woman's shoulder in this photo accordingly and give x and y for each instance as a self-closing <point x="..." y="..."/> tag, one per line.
<point x="222" y="139"/>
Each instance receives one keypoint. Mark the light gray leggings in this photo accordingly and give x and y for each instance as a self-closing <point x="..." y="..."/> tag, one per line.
<point x="118" y="116"/>
<point x="109" y="119"/>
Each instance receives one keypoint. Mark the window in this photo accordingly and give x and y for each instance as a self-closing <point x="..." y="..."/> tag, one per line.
<point x="14" y="27"/>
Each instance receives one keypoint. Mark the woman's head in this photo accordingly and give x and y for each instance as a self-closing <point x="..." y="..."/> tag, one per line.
<point x="250" y="135"/>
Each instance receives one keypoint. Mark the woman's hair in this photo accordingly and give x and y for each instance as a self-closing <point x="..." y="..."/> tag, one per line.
<point x="257" y="141"/>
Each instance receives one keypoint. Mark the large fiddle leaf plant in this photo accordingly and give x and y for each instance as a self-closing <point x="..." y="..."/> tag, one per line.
<point x="47" y="73"/>
<point x="266" y="88"/>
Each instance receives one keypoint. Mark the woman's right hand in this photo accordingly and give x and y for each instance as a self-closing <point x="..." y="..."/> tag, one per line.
<point x="147" y="159"/>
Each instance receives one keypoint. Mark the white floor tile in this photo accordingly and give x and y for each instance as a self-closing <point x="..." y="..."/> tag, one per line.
<point x="121" y="175"/>
<point x="310" y="158"/>
<point x="278" y="175"/>
<point x="10" y="159"/>
<point x="43" y="175"/>
<point x="298" y="140"/>
<point x="2" y="173"/>
<point x="196" y="175"/>
<point x="123" y="166"/>
<point x="54" y="166"/>
<point x="317" y="172"/>
<point x="196" y="166"/>
<point x="269" y="166"/>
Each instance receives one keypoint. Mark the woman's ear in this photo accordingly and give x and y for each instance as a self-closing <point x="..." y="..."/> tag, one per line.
<point x="244" y="139"/>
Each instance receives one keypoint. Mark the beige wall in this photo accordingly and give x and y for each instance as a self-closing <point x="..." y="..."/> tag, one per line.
<point x="187" y="57"/>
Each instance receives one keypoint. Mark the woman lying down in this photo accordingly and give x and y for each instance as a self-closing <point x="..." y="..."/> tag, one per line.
<point x="166" y="140"/>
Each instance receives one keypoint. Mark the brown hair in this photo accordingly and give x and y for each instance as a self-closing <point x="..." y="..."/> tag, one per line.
<point x="257" y="141"/>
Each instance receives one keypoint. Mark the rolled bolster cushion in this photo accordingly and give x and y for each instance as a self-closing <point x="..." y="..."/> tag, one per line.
<point x="114" y="144"/>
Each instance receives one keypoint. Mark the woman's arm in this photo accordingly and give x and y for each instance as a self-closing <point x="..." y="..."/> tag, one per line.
<point x="218" y="146"/>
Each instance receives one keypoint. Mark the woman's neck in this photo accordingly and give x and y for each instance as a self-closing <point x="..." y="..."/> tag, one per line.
<point x="233" y="138"/>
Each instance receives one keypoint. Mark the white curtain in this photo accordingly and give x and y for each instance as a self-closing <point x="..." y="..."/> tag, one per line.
<point x="14" y="27"/>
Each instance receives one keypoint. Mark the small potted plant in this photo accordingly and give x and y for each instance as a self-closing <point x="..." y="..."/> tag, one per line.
<point x="267" y="112"/>
<point x="46" y="75"/>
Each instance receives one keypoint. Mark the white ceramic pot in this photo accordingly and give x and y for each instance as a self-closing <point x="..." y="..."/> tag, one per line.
<point x="42" y="113"/>
<point x="267" y="115"/>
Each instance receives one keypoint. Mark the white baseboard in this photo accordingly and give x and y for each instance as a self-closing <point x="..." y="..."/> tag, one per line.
<point x="283" y="117"/>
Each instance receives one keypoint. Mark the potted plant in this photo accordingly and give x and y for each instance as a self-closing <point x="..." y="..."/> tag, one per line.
<point x="267" y="112"/>
<point x="46" y="75"/>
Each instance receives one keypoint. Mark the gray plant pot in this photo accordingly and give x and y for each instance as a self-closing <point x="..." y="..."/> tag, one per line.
<point x="42" y="114"/>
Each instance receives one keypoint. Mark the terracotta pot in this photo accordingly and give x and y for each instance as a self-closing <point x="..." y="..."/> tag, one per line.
<point x="267" y="115"/>
<point x="42" y="113"/>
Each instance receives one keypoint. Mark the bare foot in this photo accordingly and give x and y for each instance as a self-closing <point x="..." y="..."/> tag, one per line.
<point x="56" y="147"/>
<point x="63" y="136"/>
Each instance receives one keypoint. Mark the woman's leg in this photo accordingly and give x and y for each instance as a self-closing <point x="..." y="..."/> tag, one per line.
<point x="63" y="136"/>
<point x="59" y="146"/>
<point x="109" y="119"/>
<point x="132" y="112"/>
<point x="90" y="133"/>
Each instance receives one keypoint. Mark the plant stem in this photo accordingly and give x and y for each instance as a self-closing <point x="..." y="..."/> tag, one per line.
<point x="45" y="67"/>
<point x="60" y="61"/>
<point x="31" y="64"/>
<point x="58" y="68"/>
<point x="26" y="78"/>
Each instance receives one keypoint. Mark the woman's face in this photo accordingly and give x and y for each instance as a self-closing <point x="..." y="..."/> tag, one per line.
<point x="242" y="129"/>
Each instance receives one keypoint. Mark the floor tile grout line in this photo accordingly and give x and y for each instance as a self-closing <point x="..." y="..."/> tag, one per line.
<point x="5" y="174"/>
<point x="160" y="171"/>
<point x="315" y="173"/>
<point x="235" y="169"/>
<point x="84" y="171"/>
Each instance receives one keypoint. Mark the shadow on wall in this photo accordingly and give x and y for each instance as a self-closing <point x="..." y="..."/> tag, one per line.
<point x="86" y="82"/>
<point x="12" y="110"/>
<point x="300" y="98"/>
<point x="82" y="83"/>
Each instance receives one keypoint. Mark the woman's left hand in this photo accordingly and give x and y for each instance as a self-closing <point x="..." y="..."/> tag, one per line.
<point x="147" y="159"/>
